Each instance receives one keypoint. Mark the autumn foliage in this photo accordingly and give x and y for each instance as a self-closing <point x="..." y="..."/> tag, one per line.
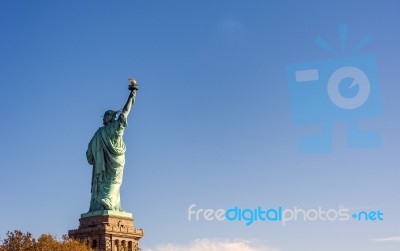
<point x="18" y="241"/>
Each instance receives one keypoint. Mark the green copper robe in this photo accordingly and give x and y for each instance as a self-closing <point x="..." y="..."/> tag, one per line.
<point x="106" y="152"/>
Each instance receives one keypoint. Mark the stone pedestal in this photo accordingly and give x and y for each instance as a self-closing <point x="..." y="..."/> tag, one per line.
<point x="108" y="231"/>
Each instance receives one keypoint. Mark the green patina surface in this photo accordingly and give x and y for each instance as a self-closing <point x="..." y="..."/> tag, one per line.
<point x="106" y="153"/>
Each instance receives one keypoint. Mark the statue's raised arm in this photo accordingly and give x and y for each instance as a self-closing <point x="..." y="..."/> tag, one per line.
<point x="133" y="87"/>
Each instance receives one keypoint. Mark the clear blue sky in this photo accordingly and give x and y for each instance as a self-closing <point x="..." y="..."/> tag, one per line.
<point x="212" y="124"/>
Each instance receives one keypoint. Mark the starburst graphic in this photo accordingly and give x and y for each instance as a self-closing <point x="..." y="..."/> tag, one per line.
<point x="343" y="28"/>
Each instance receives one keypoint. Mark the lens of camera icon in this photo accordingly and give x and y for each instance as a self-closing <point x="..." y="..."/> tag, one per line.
<point x="359" y="79"/>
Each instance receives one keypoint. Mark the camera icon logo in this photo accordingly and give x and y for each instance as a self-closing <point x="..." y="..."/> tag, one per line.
<point x="339" y="89"/>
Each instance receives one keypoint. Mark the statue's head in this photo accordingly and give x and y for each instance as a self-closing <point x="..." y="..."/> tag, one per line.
<point x="109" y="116"/>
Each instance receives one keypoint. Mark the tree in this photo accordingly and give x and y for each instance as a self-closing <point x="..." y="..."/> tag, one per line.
<point x="18" y="241"/>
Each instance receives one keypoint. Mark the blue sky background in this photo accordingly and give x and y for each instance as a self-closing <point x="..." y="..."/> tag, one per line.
<point x="212" y="123"/>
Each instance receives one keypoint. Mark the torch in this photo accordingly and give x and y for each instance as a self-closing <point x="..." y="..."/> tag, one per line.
<point x="133" y="86"/>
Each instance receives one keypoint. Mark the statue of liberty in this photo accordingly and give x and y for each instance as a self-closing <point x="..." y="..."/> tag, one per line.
<point x="106" y="153"/>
